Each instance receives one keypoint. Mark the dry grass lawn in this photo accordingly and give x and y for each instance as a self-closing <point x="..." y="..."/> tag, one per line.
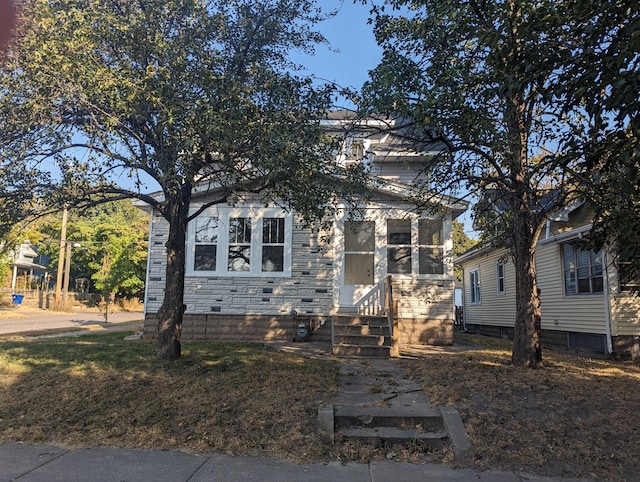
<point x="577" y="417"/>
<point x="98" y="390"/>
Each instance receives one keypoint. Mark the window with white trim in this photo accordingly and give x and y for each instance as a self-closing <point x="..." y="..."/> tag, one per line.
<point x="240" y="242"/>
<point x="500" y="288"/>
<point x="405" y="256"/>
<point x="399" y="246"/>
<point x="206" y="243"/>
<point x="582" y="270"/>
<point x="430" y="250"/>
<point x="474" y="286"/>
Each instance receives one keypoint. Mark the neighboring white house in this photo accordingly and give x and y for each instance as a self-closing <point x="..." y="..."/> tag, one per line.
<point x="26" y="273"/>
<point x="252" y="269"/>
<point x="585" y="298"/>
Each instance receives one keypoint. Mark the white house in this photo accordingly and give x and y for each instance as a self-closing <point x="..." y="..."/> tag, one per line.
<point x="255" y="272"/>
<point x="586" y="301"/>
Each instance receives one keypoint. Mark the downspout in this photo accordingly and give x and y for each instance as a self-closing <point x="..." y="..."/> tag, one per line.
<point x="547" y="232"/>
<point x="146" y="286"/>
<point x="607" y="306"/>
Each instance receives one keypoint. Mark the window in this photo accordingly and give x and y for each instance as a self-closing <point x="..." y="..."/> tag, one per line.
<point x="474" y="286"/>
<point x="272" y="245"/>
<point x="355" y="151"/>
<point x="399" y="246"/>
<point x="430" y="252"/>
<point x="404" y="257"/>
<point x="582" y="270"/>
<point x="206" y="244"/>
<point x="240" y="242"/>
<point x="500" y="277"/>
<point x="628" y="278"/>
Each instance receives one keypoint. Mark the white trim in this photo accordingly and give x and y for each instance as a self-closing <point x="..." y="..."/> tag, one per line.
<point x="574" y="233"/>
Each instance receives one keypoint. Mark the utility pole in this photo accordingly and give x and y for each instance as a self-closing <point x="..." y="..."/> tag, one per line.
<point x="63" y="242"/>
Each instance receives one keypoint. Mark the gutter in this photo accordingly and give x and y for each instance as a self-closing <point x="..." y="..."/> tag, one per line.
<point x="607" y="306"/>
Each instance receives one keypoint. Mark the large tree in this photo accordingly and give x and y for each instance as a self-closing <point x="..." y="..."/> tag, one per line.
<point x="185" y="93"/>
<point x="597" y="86"/>
<point x="471" y="75"/>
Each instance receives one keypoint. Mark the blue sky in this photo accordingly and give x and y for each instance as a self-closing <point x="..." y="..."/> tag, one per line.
<point x="353" y="47"/>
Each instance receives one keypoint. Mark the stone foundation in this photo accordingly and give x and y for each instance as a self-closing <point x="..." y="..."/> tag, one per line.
<point x="242" y="327"/>
<point x="425" y="331"/>
<point x="627" y="346"/>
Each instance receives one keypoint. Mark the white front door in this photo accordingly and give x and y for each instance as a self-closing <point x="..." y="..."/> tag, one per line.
<point x="358" y="276"/>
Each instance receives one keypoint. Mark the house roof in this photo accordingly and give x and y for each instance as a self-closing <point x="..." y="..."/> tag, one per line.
<point x="29" y="265"/>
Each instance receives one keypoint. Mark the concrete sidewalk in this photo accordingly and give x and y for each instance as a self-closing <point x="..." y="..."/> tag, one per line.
<point x="28" y="463"/>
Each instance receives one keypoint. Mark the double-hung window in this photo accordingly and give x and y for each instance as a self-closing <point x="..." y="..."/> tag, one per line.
<point x="205" y="243"/>
<point x="240" y="242"/>
<point x="474" y="286"/>
<point x="405" y="256"/>
<point x="582" y="270"/>
<point x="430" y="251"/>
<point x="500" y="288"/>
<point x="399" y="246"/>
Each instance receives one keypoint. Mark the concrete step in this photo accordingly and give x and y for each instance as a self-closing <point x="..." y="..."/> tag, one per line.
<point x="365" y="320"/>
<point x="362" y="350"/>
<point x="362" y="340"/>
<point x="360" y="330"/>
<point x="422" y="418"/>
<point x="386" y="435"/>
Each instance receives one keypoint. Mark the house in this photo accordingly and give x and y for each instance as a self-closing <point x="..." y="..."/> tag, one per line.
<point x="585" y="296"/>
<point x="27" y="274"/>
<point x="257" y="273"/>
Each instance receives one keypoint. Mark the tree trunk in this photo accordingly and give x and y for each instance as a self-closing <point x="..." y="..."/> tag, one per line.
<point x="527" y="350"/>
<point x="170" y="313"/>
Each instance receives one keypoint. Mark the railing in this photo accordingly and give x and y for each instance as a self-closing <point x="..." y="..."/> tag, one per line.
<point x="373" y="302"/>
<point x="380" y="300"/>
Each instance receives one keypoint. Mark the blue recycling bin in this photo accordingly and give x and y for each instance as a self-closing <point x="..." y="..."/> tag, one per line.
<point x="17" y="299"/>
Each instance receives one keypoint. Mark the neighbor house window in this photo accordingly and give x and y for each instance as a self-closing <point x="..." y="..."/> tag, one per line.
<point x="628" y="280"/>
<point x="582" y="270"/>
<point x="239" y="242"/>
<point x="206" y="243"/>
<point x="430" y="251"/>
<point x="500" y="277"/>
<point x="474" y="286"/>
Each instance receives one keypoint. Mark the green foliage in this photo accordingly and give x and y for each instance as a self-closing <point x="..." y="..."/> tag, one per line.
<point x="113" y="247"/>
<point x="597" y="87"/>
<point x="461" y="244"/>
<point x="463" y="73"/>
<point x="174" y="93"/>
<point x="179" y="94"/>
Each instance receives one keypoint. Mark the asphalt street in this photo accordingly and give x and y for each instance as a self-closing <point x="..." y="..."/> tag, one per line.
<point x="23" y="321"/>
